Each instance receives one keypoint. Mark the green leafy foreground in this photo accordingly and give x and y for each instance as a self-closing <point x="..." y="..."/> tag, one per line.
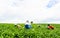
<point x="10" y="31"/>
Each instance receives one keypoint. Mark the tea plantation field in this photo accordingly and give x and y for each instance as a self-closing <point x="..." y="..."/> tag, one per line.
<point x="10" y="31"/>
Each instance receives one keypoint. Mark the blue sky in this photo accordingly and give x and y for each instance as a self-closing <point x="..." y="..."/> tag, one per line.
<point x="52" y="3"/>
<point x="33" y="10"/>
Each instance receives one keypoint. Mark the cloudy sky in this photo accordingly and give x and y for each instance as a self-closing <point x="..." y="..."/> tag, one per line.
<point x="32" y="10"/>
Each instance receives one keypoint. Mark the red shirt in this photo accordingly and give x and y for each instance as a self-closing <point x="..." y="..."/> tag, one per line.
<point x="50" y="27"/>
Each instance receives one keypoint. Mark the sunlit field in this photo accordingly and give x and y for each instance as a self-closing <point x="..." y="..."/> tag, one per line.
<point x="11" y="31"/>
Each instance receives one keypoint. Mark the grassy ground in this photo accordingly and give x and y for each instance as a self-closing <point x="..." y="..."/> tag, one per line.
<point x="10" y="31"/>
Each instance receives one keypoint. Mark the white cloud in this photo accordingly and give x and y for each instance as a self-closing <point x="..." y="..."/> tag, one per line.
<point x="22" y="10"/>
